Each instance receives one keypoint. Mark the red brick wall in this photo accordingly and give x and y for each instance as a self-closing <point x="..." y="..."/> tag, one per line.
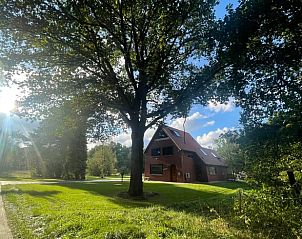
<point x="221" y="173"/>
<point x="189" y="167"/>
<point x="184" y="164"/>
<point x="201" y="171"/>
<point x="166" y="160"/>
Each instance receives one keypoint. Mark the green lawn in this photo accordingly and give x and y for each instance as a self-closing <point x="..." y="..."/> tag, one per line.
<point x="23" y="176"/>
<point x="112" y="177"/>
<point x="26" y="177"/>
<point x="93" y="210"/>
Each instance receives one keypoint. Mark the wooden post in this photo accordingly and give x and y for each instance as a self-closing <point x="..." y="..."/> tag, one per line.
<point x="293" y="183"/>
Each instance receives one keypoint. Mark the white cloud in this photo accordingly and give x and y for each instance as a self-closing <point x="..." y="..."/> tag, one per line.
<point x="123" y="138"/>
<point x="209" y="123"/>
<point x="148" y="135"/>
<point x="221" y="107"/>
<point x="207" y="140"/>
<point x="191" y="123"/>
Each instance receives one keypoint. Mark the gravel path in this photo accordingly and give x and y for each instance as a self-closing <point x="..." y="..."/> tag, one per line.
<point x="5" y="232"/>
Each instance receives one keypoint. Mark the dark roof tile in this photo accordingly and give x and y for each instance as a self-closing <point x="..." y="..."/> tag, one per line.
<point x="184" y="141"/>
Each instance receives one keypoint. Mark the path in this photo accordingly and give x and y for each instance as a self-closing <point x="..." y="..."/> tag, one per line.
<point x="5" y="232"/>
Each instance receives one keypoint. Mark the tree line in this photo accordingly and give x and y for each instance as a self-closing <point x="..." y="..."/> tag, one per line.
<point x="58" y="149"/>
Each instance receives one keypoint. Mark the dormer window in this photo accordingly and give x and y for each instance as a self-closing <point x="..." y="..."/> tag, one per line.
<point x="175" y="133"/>
<point x="162" y="135"/>
<point x="203" y="151"/>
<point x="155" y="152"/>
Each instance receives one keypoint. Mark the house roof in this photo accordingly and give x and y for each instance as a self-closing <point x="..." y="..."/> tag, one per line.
<point x="184" y="141"/>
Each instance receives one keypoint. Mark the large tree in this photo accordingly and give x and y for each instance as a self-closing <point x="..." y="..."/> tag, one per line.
<point x="261" y="42"/>
<point x="134" y="60"/>
<point x="61" y="141"/>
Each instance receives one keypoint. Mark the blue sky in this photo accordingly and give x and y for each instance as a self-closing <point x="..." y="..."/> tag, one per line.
<point x="220" y="8"/>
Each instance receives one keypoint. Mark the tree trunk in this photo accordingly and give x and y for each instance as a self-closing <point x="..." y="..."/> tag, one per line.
<point x="136" y="182"/>
<point x="293" y="183"/>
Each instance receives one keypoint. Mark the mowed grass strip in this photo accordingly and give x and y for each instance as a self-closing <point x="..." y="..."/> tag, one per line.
<point x="93" y="210"/>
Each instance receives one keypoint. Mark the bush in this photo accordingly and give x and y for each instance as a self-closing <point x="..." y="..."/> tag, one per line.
<point x="274" y="215"/>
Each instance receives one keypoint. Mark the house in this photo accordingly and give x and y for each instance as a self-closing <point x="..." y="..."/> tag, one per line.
<point x="175" y="156"/>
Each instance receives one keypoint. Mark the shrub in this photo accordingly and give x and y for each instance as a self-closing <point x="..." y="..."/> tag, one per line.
<point x="276" y="215"/>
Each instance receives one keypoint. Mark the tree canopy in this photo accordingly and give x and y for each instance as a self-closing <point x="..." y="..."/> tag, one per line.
<point x="261" y="41"/>
<point x="101" y="161"/>
<point x="132" y="60"/>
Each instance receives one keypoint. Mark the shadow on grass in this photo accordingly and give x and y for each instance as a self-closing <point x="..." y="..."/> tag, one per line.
<point x="231" y="185"/>
<point x="208" y="200"/>
<point x="197" y="200"/>
<point x="182" y="197"/>
<point x="33" y="193"/>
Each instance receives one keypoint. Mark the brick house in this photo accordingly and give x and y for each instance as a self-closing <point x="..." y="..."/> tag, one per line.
<point x="175" y="156"/>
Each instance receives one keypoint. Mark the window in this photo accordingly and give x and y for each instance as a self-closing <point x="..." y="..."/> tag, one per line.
<point x="203" y="151"/>
<point x="155" y="152"/>
<point x="188" y="175"/>
<point x="162" y="135"/>
<point x="168" y="150"/>
<point x="156" y="169"/>
<point x="214" y="154"/>
<point x="175" y="133"/>
<point x="212" y="170"/>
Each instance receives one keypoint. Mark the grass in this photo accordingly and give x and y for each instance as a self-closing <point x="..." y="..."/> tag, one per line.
<point x="25" y="176"/>
<point x="111" y="177"/>
<point x="93" y="210"/>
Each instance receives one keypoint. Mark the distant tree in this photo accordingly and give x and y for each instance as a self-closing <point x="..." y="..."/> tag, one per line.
<point x="101" y="161"/>
<point x="123" y="157"/>
<point x="229" y="149"/>
<point x="12" y="157"/>
<point x="61" y="142"/>
<point x="134" y="60"/>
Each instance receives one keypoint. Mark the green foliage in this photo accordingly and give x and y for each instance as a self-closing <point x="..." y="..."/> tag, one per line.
<point x="123" y="156"/>
<point x="279" y="216"/>
<point x="92" y="210"/>
<point x="101" y="161"/>
<point x="230" y="150"/>
<point x="59" y="145"/>
<point x="127" y="60"/>
<point x="259" y="40"/>
<point x="272" y="149"/>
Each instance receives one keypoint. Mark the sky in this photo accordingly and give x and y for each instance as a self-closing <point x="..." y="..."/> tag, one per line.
<point x="205" y="124"/>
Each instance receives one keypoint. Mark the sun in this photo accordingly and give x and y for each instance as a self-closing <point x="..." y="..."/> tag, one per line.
<point x="8" y="98"/>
